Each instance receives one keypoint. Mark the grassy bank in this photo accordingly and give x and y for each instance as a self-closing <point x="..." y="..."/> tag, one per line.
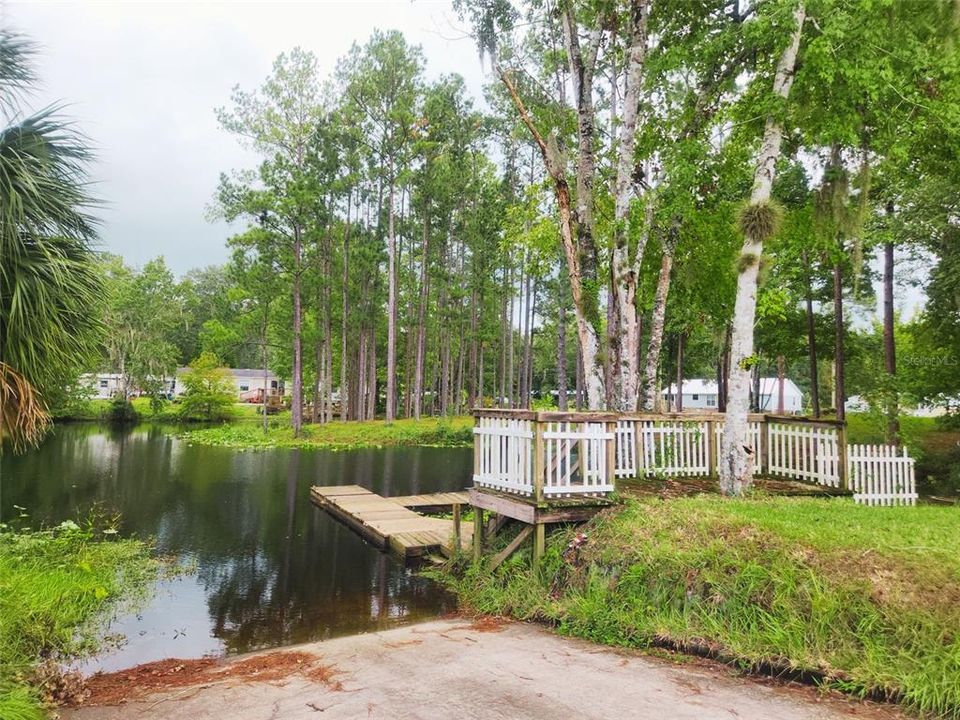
<point x="54" y="587"/>
<point x="439" y="432"/>
<point x="98" y="410"/>
<point x="867" y="597"/>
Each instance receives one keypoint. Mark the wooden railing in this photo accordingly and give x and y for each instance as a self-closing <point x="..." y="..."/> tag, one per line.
<point x="550" y="454"/>
<point x="544" y="454"/>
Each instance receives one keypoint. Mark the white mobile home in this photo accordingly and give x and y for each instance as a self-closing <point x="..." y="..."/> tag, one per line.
<point x="248" y="382"/>
<point x="700" y="394"/>
<point x="103" y="385"/>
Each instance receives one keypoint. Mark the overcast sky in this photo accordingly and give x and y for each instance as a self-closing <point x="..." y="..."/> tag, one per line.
<point x="143" y="79"/>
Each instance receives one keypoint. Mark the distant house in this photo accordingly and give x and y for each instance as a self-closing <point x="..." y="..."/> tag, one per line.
<point x="700" y="394"/>
<point x="103" y="385"/>
<point x="248" y="381"/>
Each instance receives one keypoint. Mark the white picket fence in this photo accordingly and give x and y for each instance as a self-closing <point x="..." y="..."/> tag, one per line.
<point x="575" y="458"/>
<point x="803" y="452"/>
<point x="576" y="455"/>
<point x="879" y="476"/>
<point x="503" y="454"/>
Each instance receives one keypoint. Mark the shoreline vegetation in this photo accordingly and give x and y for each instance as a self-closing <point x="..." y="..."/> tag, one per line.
<point x="336" y="435"/>
<point x="56" y="586"/>
<point x="859" y="599"/>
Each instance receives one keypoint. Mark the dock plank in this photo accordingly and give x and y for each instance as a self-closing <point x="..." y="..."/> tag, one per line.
<point x="388" y="523"/>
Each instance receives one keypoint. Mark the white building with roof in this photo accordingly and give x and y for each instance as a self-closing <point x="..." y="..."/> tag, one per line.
<point x="248" y="381"/>
<point x="700" y="394"/>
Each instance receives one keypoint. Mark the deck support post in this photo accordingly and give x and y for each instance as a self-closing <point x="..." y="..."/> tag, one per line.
<point x="477" y="534"/>
<point x="539" y="544"/>
<point x="457" y="542"/>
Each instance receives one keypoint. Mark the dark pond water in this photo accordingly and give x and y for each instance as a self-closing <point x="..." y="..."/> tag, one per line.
<point x="271" y="569"/>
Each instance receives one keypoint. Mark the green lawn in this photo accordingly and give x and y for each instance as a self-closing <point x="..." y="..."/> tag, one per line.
<point x="54" y="587"/>
<point x="445" y="432"/>
<point x="868" y="597"/>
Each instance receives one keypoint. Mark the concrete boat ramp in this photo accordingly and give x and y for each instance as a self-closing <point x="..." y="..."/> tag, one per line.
<point x="389" y="523"/>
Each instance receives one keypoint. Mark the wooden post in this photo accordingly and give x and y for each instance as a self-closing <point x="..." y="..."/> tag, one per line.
<point x="842" y="455"/>
<point x="538" y="461"/>
<point x="477" y="534"/>
<point x="638" y="445"/>
<point x="539" y="544"/>
<point x="611" y="445"/>
<point x="457" y="542"/>
<point x="763" y="464"/>
<point x="711" y="448"/>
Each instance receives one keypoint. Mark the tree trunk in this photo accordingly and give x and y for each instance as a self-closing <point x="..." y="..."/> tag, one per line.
<point x="372" y="381"/>
<point x="421" y="321"/>
<point x="562" y="352"/>
<point x="655" y="343"/>
<point x="680" y="341"/>
<point x="838" y="373"/>
<point x="584" y="307"/>
<point x="297" y="390"/>
<point x="266" y="377"/>
<point x="812" y="342"/>
<point x="889" y="347"/>
<point x="391" y="408"/>
<point x="344" y="384"/>
<point x="624" y="329"/>
<point x="737" y="451"/>
<point x="780" y="384"/>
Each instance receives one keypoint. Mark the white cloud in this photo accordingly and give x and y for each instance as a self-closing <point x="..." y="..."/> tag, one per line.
<point x="143" y="79"/>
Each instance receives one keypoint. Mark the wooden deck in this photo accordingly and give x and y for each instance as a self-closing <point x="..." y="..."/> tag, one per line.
<point x="387" y="523"/>
<point x="434" y="502"/>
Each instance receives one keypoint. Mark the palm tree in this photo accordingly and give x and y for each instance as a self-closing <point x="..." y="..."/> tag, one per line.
<point x="49" y="282"/>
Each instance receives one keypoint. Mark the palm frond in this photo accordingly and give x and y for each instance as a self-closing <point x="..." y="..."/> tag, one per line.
<point x="17" y="77"/>
<point x="23" y="416"/>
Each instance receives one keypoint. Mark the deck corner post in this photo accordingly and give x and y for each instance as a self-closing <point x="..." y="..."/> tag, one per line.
<point x="611" y="447"/>
<point x="538" y="460"/>
<point x="477" y="534"/>
<point x="763" y="461"/>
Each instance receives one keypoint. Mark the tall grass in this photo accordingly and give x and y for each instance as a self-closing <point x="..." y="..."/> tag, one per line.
<point x="867" y="599"/>
<point x="54" y="587"/>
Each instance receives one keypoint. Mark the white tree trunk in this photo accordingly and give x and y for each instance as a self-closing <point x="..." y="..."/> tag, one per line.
<point x="586" y="332"/>
<point x="737" y="452"/>
<point x="625" y="331"/>
<point x="655" y="345"/>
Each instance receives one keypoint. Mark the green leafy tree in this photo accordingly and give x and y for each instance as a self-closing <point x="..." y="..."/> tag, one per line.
<point x="209" y="393"/>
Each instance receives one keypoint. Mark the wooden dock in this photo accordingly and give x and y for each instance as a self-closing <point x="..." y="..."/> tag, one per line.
<point x="388" y="523"/>
<point x="434" y="502"/>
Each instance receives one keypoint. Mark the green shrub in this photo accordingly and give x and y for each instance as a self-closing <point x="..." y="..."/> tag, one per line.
<point x="121" y="411"/>
<point x="54" y="587"/>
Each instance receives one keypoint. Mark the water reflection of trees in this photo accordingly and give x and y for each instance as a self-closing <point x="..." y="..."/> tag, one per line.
<point x="275" y="569"/>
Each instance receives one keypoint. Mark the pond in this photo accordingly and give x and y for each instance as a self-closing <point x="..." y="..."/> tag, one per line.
<point x="270" y="568"/>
